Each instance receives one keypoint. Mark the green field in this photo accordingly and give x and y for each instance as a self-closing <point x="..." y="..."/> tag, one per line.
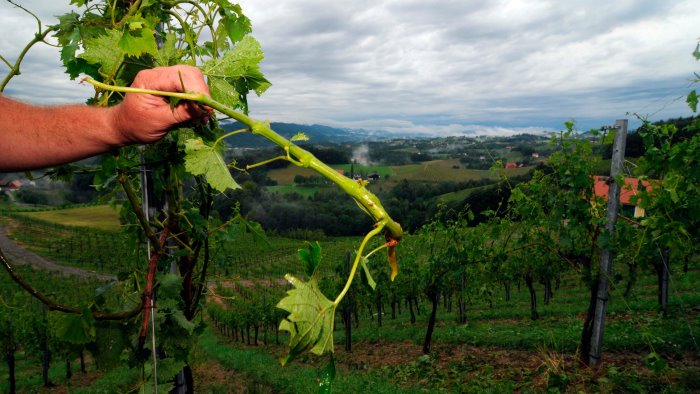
<point x="285" y="176"/>
<point x="102" y="217"/>
<point x="499" y="349"/>
<point x="460" y="195"/>
<point x="447" y="170"/>
<point x="430" y="171"/>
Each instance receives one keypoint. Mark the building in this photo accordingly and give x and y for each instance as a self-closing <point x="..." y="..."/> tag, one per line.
<point x="7" y="185"/>
<point x="628" y="191"/>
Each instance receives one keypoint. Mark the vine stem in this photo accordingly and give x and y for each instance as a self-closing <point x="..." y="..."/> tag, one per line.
<point x="135" y="207"/>
<point x="364" y="198"/>
<point x="218" y="140"/>
<point x="54" y="306"/>
<point x="14" y="70"/>
<point x="148" y="292"/>
<point x="353" y="270"/>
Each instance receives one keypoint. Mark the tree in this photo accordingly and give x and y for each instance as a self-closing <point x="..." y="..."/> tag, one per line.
<point x="561" y="218"/>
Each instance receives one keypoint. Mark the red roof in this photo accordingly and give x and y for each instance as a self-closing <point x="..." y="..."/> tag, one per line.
<point x="511" y="165"/>
<point x="629" y="189"/>
<point x="12" y="185"/>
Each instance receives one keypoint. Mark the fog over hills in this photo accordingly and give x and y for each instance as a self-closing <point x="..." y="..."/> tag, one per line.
<point x="321" y="134"/>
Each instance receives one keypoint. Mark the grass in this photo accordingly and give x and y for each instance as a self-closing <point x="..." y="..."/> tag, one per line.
<point x="285" y="176"/>
<point x="460" y="195"/>
<point x="431" y="171"/>
<point x="82" y="247"/>
<point x="444" y="170"/>
<point x="101" y="217"/>
<point x="294" y="378"/>
<point x="633" y="330"/>
<point x="503" y="350"/>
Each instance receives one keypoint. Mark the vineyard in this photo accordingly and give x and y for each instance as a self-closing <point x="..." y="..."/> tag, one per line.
<point x="566" y="280"/>
<point x="491" y="344"/>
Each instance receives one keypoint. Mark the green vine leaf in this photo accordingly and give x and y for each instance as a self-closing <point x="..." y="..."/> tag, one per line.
<point x="104" y="50"/>
<point x="692" y="100"/>
<point x="325" y="377"/>
<point x="237" y="25"/>
<point x="245" y="54"/>
<point x="310" y="320"/>
<point x="311" y="256"/>
<point x="138" y="38"/>
<point x="609" y="138"/>
<point x="224" y="92"/>
<point x="368" y="275"/>
<point x="76" y="329"/>
<point x="300" y="136"/>
<point x="168" y="54"/>
<point x="202" y="159"/>
<point x="240" y="68"/>
<point x="68" y="36"/>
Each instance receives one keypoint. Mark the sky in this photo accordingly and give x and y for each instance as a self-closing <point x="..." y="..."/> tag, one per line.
<point x="448" y="67"/>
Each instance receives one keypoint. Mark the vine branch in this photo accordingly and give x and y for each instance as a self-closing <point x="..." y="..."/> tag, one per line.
<point x="135" y="207"/>
<point x="364" y="198"/>
<point x="54" y="306"/>
<point x="14" y="68"/>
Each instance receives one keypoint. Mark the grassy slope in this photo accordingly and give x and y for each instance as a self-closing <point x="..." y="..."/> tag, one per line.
<point x="460" y="195"/>
<point x="101" y="217"/>
<point x="502" y="349"/>
<point x="634" y="328"/>
<point x="432" y="171"/>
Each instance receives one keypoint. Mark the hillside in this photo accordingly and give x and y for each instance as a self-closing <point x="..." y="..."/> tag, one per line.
<point x="318" y="134"/>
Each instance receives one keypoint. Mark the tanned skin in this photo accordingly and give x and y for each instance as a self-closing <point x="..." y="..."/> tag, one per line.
<point x="33" y="137"/>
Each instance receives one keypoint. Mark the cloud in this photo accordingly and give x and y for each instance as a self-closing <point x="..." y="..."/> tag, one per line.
<point x="444" y="67"/>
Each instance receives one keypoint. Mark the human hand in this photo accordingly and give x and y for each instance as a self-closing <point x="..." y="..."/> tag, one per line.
<point x="145" y="118"/>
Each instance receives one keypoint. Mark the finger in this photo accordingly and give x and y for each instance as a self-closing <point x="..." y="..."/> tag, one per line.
<point x="190" y="111"/>
<point x="186" y="79"/>
<point x="193" y="81"/>
<point x="172" y="79"/>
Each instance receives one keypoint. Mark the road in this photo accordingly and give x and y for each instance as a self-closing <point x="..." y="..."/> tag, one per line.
<point x="19" y="255"/>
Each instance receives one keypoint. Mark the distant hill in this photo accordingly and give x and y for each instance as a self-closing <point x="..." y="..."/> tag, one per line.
<point x="318" y="134"/>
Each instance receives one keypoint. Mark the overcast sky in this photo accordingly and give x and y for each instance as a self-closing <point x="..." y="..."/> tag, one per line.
<point x="441" y="67"/>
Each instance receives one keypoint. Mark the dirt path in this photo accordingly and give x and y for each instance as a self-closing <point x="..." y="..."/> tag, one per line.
<point x="19" y="255"/>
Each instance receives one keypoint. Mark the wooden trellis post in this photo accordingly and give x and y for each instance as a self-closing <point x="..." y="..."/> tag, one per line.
<point x="607" y="252"/>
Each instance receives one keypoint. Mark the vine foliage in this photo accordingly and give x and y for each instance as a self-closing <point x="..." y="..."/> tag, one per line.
<point x="109" y="42"/>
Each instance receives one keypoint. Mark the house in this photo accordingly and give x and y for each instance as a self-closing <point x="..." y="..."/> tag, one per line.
<point x="373" y="176"/>
<point x="10" y="185"/>
<point x="628" y="192"/>
<point x="511" y="165"/>
<point x="535" y="155"/>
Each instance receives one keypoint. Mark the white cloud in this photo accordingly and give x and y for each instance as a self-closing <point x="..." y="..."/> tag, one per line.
<point x="410" y="65"/>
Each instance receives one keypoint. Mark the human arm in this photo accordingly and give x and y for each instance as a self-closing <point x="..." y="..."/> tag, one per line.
<point x="34" y="137"/>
